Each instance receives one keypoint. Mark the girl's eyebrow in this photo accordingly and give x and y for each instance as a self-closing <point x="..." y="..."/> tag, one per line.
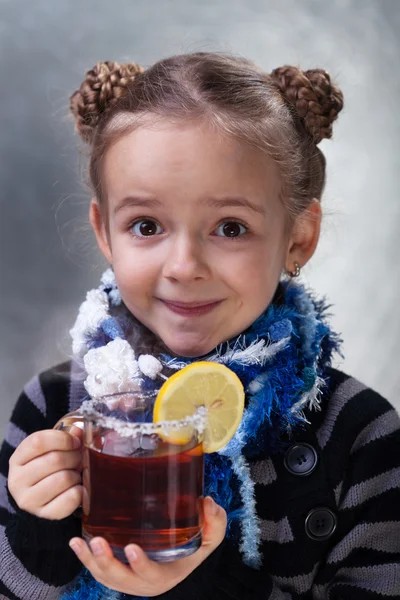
<point x="236" y="201"/>
<point x="136" y="201"/>
<point x="239" y="201"/>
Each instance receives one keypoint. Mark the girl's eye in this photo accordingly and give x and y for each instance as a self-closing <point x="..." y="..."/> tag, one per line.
<point x="146" y="228"/>
<point x="231" y="229"/>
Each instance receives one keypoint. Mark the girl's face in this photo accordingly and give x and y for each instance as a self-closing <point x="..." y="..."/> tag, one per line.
<point x="195" y="231"/>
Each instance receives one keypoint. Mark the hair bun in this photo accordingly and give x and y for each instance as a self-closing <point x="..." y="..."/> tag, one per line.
<point x="316" y="101"/>
<point x="99" y="92"/>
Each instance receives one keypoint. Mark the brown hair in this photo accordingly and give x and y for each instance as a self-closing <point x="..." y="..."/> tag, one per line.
<point x="285" y="113"/>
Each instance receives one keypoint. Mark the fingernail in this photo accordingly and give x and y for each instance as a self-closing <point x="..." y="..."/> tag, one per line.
<point x="131" y="553"/>
<point x="213" y="506"/>
<point x="96" y="547"/>
<point x="75" y="546"/>
<point x="76" y="442"/>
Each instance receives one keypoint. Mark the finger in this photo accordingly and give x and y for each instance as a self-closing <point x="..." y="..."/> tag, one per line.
<point x="84" y="554"/>
<point x="52" y="486"/>
<point x="100" y="561"/>
<point x="63" y="506"/>
<point x="110" y="568"/>
<point x="41" y="442"/>
<point x="52" y="462"/>
<point x="146" y="569"/>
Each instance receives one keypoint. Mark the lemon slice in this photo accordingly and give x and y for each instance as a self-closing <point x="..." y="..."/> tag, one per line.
<point x="206" y="384"/>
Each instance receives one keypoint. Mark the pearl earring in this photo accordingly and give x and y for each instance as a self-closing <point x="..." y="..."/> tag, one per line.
<point x="296" y="272"/>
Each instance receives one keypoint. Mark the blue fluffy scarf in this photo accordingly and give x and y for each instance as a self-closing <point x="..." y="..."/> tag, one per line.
<point x="281" y="360"/>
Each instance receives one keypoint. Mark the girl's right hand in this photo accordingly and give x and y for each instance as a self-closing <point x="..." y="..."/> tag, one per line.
<point x="142" y="576"/>
<point x="45" y="473"/>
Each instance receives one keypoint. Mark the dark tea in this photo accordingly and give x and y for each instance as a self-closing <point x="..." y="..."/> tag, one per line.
<point x="150" y="498"/>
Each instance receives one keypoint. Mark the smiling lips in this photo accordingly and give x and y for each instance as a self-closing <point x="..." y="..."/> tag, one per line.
<point x="191" y="309"/>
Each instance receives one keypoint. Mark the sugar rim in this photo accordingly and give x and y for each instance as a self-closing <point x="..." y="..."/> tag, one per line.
<point x="124" y="429"/>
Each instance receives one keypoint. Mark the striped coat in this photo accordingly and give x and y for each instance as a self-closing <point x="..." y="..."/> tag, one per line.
<point x="329" y="508"/>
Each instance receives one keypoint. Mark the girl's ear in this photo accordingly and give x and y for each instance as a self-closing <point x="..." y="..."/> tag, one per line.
<point x="304" y="236"/>
<point x="99" y="228"/>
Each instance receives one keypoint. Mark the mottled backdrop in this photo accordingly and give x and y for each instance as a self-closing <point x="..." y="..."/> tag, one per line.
<point x="48" y="258"/>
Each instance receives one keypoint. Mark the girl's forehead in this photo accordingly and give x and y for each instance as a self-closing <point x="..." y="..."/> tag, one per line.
<point x="190" y="155"/>
<point x="187" y="141"/>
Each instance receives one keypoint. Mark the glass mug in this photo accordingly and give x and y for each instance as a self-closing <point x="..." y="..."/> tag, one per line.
<point x="139" y="485"/>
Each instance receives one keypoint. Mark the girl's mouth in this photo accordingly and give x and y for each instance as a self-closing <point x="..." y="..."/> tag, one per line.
<point x="191" y="309"/>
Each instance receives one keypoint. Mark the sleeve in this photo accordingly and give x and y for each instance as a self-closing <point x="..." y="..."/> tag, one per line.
<point x="35" y="559"/>
<point x="364" y="564"/>
<point x="364" y="560"/>
<point x="223" y="576"/>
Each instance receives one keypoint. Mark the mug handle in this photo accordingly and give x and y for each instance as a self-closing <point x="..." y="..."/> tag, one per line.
<point x="70" y="420"/>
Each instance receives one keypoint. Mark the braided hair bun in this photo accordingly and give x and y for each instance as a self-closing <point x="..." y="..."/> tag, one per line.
<point x="99" y="92"/>
<point x="312" y="97"/>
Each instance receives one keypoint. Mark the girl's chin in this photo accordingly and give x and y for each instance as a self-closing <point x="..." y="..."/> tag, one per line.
<point x="189" y="352"/>
<point x="190" y="349"/>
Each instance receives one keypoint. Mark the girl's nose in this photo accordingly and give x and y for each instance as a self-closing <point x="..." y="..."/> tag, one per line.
<point x="185" y="262"/>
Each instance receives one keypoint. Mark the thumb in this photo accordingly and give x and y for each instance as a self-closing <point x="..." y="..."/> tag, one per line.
<point x="76" y="431"/>
<point x="215" y="521"/>
<point x="214" y="528"/>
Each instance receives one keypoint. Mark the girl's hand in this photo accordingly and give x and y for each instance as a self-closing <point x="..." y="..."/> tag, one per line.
<point x="45" y="473"/>
<point x="144" y="577"/>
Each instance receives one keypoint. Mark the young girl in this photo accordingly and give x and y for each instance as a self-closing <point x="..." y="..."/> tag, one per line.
<point x="207" y="181"/>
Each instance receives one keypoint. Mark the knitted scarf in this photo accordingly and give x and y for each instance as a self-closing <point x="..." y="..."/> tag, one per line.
<point x="281" y="360"/>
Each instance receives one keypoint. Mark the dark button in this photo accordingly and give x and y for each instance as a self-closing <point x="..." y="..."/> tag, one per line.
<point x="301" y="459"/>
<point x="320" y="523"/>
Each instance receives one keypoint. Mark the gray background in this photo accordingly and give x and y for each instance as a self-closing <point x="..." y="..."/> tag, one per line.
<point x="48" y="257"/>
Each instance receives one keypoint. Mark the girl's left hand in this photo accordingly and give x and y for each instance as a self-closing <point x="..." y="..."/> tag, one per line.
<point x="144" y="577"/>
